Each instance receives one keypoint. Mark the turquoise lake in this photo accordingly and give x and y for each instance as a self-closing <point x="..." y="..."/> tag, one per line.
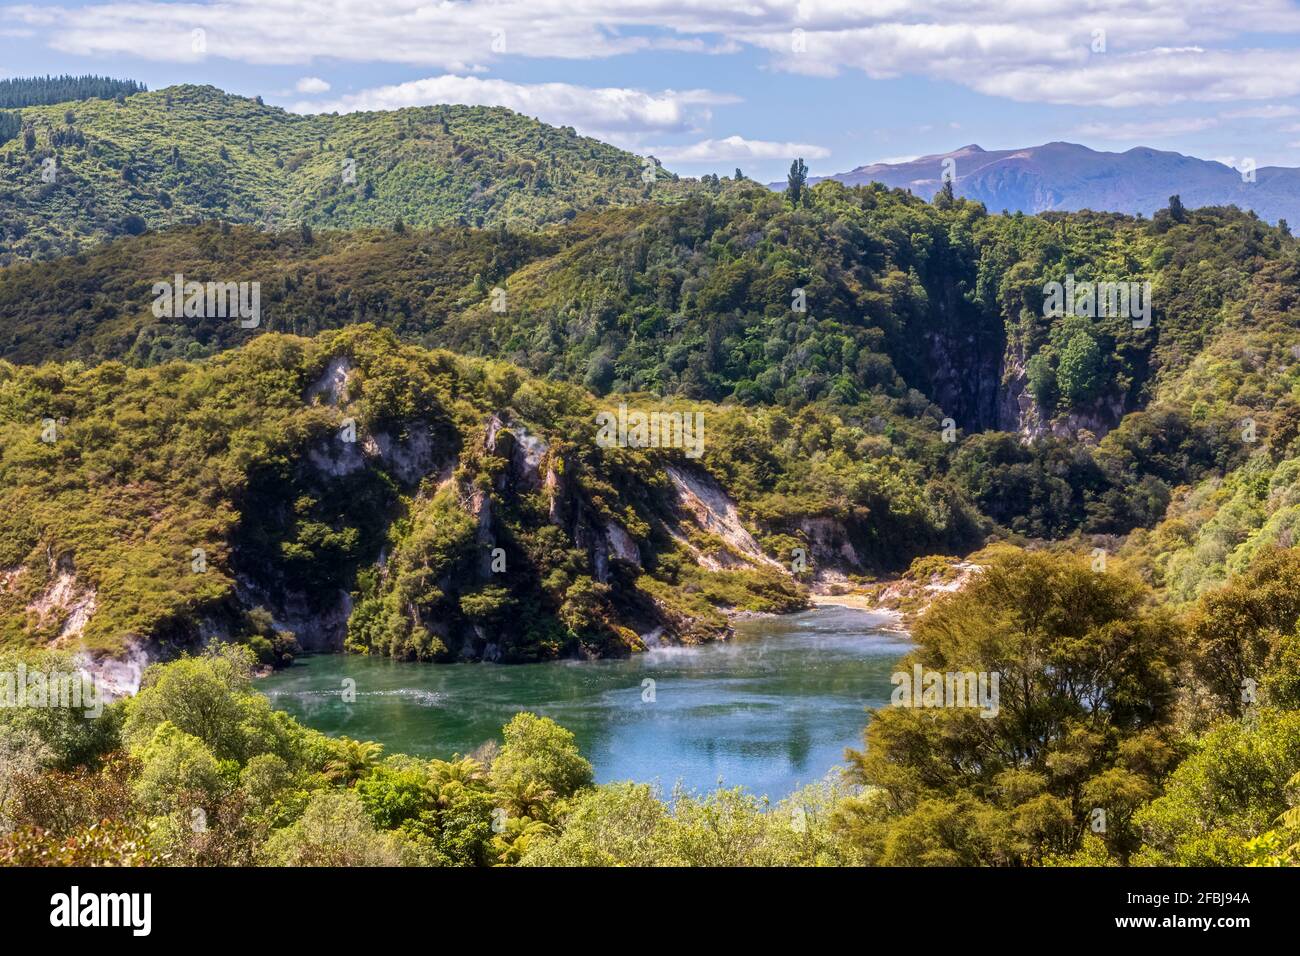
<point x="772" y="709"/>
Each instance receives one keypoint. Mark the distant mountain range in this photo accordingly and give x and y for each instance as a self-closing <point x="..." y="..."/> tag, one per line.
<point x="1067" y="176"/>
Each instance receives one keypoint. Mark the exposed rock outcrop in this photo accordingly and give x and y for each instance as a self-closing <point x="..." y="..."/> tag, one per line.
<point x="702" y="501"/>
<point x="65" y="602"/>
<point x="829" y="544"/>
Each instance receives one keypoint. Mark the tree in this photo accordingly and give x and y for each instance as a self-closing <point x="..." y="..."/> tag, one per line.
<point x="355" y="759"/>
<point x="1079" y="373"/>
<point x="1042" y="381"/>
<point x="1084" y="707"/>
<point x="173" y="764"/>
<point x="1177" y="212"/>
<point x="796" y="181"/>
<point x="210" y="698"/>
<point x="53" y="736"/>
<point x="1233" y="789"/>
<point x="945" y="197"/>
<point x="334" y="830"/>
<point x="1244" y="632"/>
<point x="393" y="796"/>
<point x="44" y="90"/>
<point x="538" y="750"/>
<point x="619" y="824"/>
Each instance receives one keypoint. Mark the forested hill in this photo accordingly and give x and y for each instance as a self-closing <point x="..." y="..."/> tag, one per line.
<point x="899" y="350"/>
<point x="76" y="173"/>
<point x="732" y="293"/>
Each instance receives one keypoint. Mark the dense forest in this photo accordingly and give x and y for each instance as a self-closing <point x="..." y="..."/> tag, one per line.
<point x="399" y="458"/>
<point x="246" y="460"/>
<point x="45" y="90"/>
<point x="807" y="312"/>
<point x="193" y="153"/>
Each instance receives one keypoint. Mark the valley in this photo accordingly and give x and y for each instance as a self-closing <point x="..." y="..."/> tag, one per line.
<point x="502" y="428"/>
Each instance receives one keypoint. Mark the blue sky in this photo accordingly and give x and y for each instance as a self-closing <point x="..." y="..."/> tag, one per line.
<point x="708" y="87"/>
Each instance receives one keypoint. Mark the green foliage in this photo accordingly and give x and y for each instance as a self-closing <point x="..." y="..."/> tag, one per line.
<point x="1231" y="789"/>
<point x="615" y="825"/>
<point x="10" y="125"/>
<point x="1080" y="371"/>
<point x="1085" y="702"/>
<point x="1245" y="635"/>
<point x="332" y="831"/>
<point x="171" y="156"/>
<point x="62" y="737"/>
<point x="237" y="468"/>
<point x="164" y="480"/>
<point x="1042" y="380"/>
<point x="1085" y="722"/>
<point x="207" y="699"/>
<point x="175" y="763"/>
<point x="696" y="300"/>
<point x="627" y="824"/>
<point x="796" y="182"/>
<point x="539" y="752"/>
<point x="44" y="90"/>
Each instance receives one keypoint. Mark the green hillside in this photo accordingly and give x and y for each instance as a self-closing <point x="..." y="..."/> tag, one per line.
<point x="120" y="480"/>
<point x="911" y="313"/>
<point x="194" y="153"/>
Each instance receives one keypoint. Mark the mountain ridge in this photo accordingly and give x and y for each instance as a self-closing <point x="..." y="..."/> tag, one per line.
<point x="1068" y="177"/>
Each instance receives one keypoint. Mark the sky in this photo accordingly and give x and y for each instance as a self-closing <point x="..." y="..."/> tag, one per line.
<point x="709" y="87"/>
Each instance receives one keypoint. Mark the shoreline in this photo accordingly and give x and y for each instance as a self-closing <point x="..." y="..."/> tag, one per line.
<point x="863" y="602"/>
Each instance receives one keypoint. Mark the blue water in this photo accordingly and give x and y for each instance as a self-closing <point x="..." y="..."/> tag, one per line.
<point x="772" y="709"/>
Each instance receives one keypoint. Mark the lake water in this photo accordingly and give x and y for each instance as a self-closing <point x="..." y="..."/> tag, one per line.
<point x="771" y="709"/>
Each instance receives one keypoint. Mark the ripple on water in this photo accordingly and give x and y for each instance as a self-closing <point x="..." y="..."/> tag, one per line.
<point x="769" y="710"/>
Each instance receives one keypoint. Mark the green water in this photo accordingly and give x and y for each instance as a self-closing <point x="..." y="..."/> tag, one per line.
<point x="772" y="709"/>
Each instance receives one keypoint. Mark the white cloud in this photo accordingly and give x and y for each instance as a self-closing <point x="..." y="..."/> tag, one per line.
<point x="311" y="84"/>
<point x="735" y="148"/>
<point x="1272" y="111"/>
<point x="1154" y="79"/>
<point x="1155" y="52"/>
<point x="1148" y="130"/>
<point x="611" y="112"/>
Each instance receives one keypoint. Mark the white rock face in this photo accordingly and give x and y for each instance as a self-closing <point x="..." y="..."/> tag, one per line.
<point x="533" y="450"/>
<point x="65" y="598"/>
<point x="713" y="510"/>
<point x="829" y="540"/>
<point x="621" y="545"/>
<point x="337" y="458"/>
<point x="410" y="459"/>
<point x="331" y="388"/>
